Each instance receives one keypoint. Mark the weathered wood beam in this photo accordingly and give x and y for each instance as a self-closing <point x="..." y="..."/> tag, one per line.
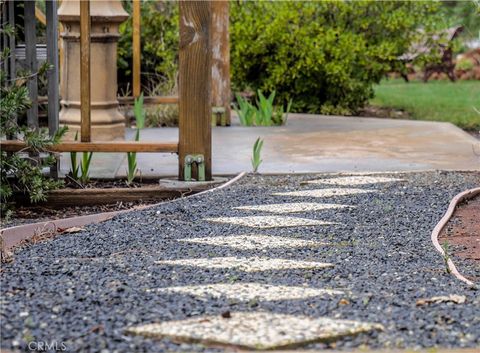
<point x="52" y="73"/>
<point x="114" y="146"/>
<point x="52" y="59"/>
<point x="136" y="21"/>
<point x="85" y="109"/>
<point x="150" y="100"/>
<point x="195" y="77"/>
<point x="31" y="61"/>
<point x="221" y="95"/>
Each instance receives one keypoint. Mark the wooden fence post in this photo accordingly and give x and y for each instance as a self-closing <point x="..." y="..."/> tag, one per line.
<point x="221" y="95"/>
<point x="136" y="20"/>
<point x="11" y="44"/>
<point x="85" y="126"/>
<point x="52" y="74"/>
<point x="195" y="78"/>
<point x="31" y="61"/>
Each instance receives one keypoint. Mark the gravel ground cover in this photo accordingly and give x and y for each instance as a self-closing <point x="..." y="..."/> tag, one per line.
<point x="83" y="290"/>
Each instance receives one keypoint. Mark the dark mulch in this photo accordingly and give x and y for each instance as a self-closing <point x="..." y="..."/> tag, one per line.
<point x="84" y="289"/>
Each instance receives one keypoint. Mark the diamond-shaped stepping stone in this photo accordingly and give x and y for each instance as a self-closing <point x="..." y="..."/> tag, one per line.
<point x="324" y="192"/>
<point x="292" y="207"/>
<point x="354" y="180"/>
<point x="255" y="330"/>
<point x="254" y="242"/>
<point x="248" y="291"/>
<point x="269" y="221"/>
<point x="247" y="264"/>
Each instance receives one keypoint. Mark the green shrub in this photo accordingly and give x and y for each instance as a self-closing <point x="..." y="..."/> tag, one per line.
<point x="326" y="55"/>
<point x="20" y="172"/>
<point x="464" y="65"/>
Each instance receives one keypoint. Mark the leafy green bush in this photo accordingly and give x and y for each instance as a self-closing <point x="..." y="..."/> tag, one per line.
<point x="464" y="65"/>
<point x="325" y="55"/>
<point x="20" y="172"/>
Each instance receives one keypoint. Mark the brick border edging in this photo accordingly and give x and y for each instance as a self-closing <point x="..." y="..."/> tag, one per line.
<point x="463" y="196"/>
<point x="13" y="236"/>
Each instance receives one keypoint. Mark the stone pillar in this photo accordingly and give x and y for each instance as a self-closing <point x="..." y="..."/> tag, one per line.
<point x="106" y="16"/>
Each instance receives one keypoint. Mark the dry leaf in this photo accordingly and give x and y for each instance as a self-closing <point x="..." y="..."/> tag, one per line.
<point x="452" y="298"/>
<point x="71" y="230"/>
<point x="343" y="301"/>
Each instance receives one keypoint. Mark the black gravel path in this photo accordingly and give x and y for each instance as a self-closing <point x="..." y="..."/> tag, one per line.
<point x="84" y="289"/>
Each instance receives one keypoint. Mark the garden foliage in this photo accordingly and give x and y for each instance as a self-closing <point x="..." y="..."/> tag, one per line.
<point x="159" y="47"/>
<point x="323" y="55"/>
<point x="21" y="172"/>
<point x="264" y="113"/>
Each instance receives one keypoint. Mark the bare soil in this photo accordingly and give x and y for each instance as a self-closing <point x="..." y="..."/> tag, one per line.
<point x="462" y="233"/>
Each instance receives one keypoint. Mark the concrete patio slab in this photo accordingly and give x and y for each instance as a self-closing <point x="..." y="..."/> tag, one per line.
<point x="316" y="143"/>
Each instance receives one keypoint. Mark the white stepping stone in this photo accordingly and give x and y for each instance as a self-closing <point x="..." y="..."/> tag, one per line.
<point x="324" y="192"/>
<point x="254" y="242"/>
<point x="246" y="292"/>
<point x="269" y="221"/>
<point x="354" y="180"/>
<point x="247" y="264"/>
<point x="255" y="330"/>
<point x="292" y="207"/>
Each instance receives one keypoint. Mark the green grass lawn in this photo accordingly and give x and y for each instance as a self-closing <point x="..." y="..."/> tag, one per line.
<point x="436" y="100"/>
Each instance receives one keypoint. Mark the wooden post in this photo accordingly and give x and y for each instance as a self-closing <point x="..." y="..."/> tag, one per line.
<point x="11" y="21"/>
<point x="85" y="128"/>
<point x="52" y="74"/>
<point x="136" y="47"/>
<point x="195" y="78"/>
<point x="31" y="61"/>
<point x="52" y="59"/>
<point x="221" y="95"/>
<point x="12" y="70"/>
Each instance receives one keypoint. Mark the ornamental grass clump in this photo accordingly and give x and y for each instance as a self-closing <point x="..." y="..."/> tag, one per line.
<point x="264" y="113"/>
<point x="139" y="113"/>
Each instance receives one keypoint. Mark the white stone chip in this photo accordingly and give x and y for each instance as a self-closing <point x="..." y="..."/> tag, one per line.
<point x="324" y="192"/>
<point x="354" y="180"/>
<point x="248" y="291"/>
<point x="254" y="242"/>
<point x="292" y="207"/>
<point x="269" y="221"/>
<point x="247" y="264"/>
<point x="255" y="330"/>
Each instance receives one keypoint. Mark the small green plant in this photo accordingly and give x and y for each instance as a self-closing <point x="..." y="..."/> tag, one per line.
<point x="256" y="157"/>
<point x="80" y="172"/>
<point x="265" y="113"/>
<point x="85" y="167"/>
<point x="139" y="113"/>
<point x="74" y="163"/>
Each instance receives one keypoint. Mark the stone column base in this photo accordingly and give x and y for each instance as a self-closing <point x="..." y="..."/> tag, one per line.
<point x="107" y="124"/>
